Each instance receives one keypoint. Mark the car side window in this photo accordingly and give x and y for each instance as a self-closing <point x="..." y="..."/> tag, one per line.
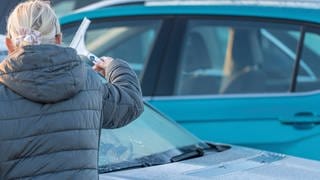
<point x="63" y="7"/>
<point x="309" y="74"/>
<point x="225" y="57"/>
<point x="128" y="40"/>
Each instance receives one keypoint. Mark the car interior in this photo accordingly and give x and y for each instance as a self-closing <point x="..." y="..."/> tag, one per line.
<point x="242" y="69"/>
<point x="197" y="59"/>
<point x="248" y="62"/>
<point x="240" y="73"/>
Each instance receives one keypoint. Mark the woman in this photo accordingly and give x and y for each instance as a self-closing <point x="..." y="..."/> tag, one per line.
<point x="52" y="104"/>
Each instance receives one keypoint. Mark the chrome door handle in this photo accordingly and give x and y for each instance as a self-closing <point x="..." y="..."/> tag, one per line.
<point x="302" y="120"/>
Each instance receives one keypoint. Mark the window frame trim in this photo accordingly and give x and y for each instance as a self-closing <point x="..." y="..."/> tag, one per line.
<point x="300" y="24"/>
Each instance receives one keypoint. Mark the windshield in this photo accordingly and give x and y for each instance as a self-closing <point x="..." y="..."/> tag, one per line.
<point x="151" y="139"/>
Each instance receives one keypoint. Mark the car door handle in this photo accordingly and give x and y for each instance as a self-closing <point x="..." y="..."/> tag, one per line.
<point x="302" y="120"/>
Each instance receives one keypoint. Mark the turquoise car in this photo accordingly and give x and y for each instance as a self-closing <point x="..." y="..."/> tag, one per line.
<point x="157" y="148"/>
<point x="238" y="72"/>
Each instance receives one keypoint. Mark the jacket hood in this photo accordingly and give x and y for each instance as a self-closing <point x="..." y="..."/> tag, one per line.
<point x="43" y="73"/>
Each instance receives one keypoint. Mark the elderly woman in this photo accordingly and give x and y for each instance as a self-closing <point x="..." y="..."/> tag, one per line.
<point x="53" y="104"/>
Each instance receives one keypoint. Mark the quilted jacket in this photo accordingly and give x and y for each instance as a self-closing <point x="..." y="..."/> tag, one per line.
<point x="52" y="106"/>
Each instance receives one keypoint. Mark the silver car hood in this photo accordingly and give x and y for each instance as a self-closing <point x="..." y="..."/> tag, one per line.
<point x="235" y="163"/>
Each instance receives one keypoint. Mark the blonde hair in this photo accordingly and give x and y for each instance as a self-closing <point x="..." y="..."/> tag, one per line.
<point x="33" y="22"/>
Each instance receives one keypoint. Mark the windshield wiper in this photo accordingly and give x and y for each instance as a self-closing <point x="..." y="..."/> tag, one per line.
<point x="198" y="152"/>
<point x="146" y="161"/>
<point x="124" y="166"/>
<point x="168" y="156"/>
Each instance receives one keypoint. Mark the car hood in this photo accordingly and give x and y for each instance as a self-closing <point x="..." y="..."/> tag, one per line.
<point x="236" y="163"/>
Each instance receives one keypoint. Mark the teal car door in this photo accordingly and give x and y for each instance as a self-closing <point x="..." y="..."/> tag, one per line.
<point x="251" y="82"/>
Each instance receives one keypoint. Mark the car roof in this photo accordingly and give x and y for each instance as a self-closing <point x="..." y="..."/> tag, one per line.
<point x="292" y="3"/>
<point x="309" y="12"/>
<point x="281" y="3"/>
<point x="274" y="3"/>
<point x="109" y="3"/>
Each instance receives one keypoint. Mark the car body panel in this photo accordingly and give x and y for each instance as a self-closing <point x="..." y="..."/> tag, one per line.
<point x="310" y="15"/>
<point x="250" y="121"/>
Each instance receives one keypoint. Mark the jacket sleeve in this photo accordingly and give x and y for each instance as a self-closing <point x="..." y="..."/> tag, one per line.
<point x="122" y="101"/>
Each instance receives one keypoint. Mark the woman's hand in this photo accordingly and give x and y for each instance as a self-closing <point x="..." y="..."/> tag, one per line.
<point x="102" y="64"/>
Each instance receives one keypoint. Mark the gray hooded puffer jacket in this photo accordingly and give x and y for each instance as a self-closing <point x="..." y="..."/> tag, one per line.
<point x="52" y="107"/>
